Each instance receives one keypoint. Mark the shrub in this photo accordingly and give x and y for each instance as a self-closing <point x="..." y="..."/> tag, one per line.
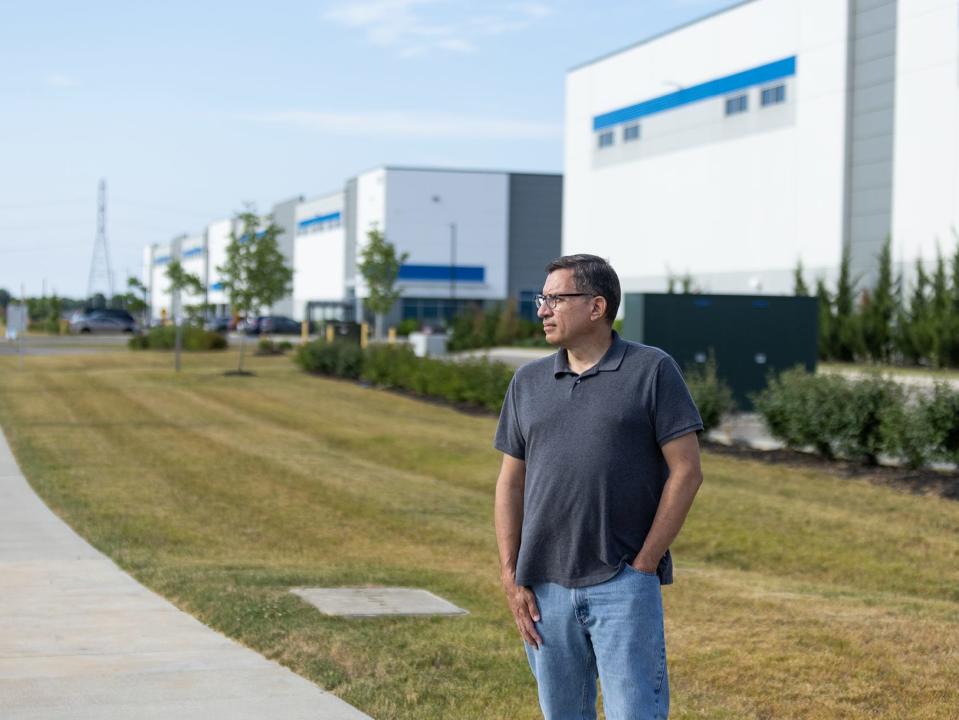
<point x="862" y="419"/>
<point x="939" y="421"/>
<point x="803" y="409"/>
<point x="266" y="347"/>
<point x="410" y="325"/>
<point x="868" y="408"/>
<point x="711" y="394"/>
<point x="164" y="338"/>
<point x="479" y="383"/>
<point x="905" y="434"/>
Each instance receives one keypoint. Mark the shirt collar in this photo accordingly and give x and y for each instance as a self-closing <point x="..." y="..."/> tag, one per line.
<point x="609" y="362"/>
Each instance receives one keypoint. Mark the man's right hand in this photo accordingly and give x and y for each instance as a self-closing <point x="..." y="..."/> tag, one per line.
<point x="522" y="603"/>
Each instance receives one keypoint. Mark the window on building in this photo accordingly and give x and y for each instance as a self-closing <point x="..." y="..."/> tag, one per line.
<point x="606" y="139"/>
<point x="631" y="132"/>
<point x="737" y="104"/>
<point x="774" y="95"/>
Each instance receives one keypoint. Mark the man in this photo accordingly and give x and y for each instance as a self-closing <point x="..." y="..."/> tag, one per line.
<point x="600" y="467"/>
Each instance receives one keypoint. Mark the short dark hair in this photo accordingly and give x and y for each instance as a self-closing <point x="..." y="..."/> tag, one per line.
<point x="592" y="274"/>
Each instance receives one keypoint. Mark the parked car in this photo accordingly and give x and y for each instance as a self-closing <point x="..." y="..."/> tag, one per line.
<point x="105" y="320"/>
<point x="220" y="324"/>
<point x="272" y="325"/>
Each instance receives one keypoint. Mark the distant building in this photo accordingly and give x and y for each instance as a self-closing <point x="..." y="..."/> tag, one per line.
<point x="775" y="130"/>
<point x="473" y="238"/>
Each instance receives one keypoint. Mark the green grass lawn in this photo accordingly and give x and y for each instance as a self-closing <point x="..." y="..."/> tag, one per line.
<point x="797" y="595"/>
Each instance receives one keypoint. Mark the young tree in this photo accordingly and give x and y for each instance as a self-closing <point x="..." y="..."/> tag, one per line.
<point x="136" y="304"/>
<point x="255" y="273"/>
<point x="877" y="313"/>
<point x="799" y="284"/>
<point x="180" y="280"/>
<point x="380" y="266"/>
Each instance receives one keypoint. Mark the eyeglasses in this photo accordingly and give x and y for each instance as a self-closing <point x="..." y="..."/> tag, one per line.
<point x="552" y="300"/>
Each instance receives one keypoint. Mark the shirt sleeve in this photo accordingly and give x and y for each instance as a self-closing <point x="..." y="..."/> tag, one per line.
<point x="674" y="412"/>
<point x="509" y="436"/>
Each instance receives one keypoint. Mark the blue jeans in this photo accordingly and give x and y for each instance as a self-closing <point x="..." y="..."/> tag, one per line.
<point x="613" y="630"/>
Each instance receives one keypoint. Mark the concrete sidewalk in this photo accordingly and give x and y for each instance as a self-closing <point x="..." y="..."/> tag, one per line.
<point x="81" y="639"/>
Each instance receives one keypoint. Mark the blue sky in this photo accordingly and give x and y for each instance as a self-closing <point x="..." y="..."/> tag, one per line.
<point x="191" y="109"/>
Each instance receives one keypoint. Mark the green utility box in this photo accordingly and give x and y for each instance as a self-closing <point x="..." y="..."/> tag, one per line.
<point x="750" y="335"/>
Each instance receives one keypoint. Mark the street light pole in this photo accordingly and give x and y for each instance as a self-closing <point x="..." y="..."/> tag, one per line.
<point x="452" y="270"/>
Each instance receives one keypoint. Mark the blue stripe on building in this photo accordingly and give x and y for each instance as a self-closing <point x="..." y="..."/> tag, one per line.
<point x="162" y="260"/>
<point x="713" y="88"/>
<point x="193" y="252"/>
<point x="216" y="286"/>
<point x="318" y="220"/>
<point x="440" y="273"/>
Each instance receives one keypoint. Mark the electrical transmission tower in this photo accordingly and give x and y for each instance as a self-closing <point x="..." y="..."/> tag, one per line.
<point x="100" y="264"/>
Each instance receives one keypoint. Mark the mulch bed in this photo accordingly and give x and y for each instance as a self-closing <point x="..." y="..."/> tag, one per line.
<point x="925" y="481"/>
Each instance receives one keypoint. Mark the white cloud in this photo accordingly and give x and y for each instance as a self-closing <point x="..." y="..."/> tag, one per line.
<point x="412" y="125"/>
<point x="60" y="80"/>
<point x="417" y="27"/>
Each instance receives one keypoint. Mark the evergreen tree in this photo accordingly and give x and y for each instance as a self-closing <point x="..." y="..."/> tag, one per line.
<point x="917" y="338"/>
<point x="953" y="349"/>
<point x="826" y="324"/>
<point x="799" y="284"/>
<point x="940" y="315"/>
<point x="846" y="335"/>
<point x="879" y="309"/>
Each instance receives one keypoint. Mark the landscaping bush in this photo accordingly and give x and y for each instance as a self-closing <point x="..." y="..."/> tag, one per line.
<point x="938" y="415"/>
<point x="164" y="338"/>
<point x="803" y="409"/>
<point x="869" y="407"/>
<point x="905" y="433"/>
<point x="862" y="419"/>
<point x="479" y="383"/>
<point x="410" y="325"/>
<point x="268" y="347"/>
<point x="711" y="394"/>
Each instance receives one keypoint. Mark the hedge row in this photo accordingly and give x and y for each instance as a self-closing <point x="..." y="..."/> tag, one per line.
<point x="164" y="338"/>
<point x="862" y="419"/>
<point x="478" y="383"/>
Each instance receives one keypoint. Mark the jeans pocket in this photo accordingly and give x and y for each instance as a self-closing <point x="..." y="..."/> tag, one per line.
<point x="641" y="573"/>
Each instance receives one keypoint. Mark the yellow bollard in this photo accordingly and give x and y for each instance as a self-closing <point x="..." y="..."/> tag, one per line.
<point x="305" y="330"/>
<point x="391" y="336"/>
<point x="329" y="333"/>
<point x="364" y="335"/>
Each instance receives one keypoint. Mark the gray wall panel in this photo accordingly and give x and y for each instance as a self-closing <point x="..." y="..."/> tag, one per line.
<point x="870" y="116"/>
<point x="535" y="229"/>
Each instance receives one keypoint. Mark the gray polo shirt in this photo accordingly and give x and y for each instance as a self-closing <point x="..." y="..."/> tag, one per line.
<point x="594" y="467"/>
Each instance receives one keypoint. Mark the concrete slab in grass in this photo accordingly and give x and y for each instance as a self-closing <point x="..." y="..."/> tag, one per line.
<point x="374" y="602"/>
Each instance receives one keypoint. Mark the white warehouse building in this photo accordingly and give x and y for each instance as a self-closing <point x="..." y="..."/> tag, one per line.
<point x="471" y="238"/>
<point x="768" y="133"/>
